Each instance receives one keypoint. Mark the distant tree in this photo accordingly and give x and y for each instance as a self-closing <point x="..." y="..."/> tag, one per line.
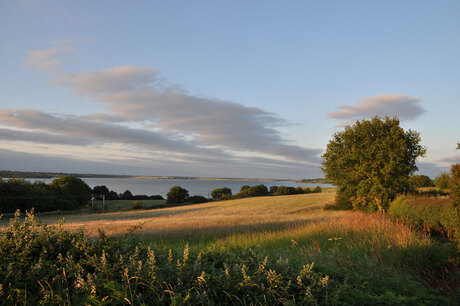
<point x="273" y="189"/>
<point x="112" y="195"/>
<point x="217" y="194"/>
<point x="418" y="181"/>
<point x="197" y="199"/>
<point x="73" y="191"/>
<point x="101" y="190"/>
<point x="177" y="195"/>
<point x="244" y="187"/>
<point x="442" y="181"/>
<point x="371" y="161"/>
<point x="127" y="195"/>
<point x="299" y="190"/>
<point x="317" y="189"/>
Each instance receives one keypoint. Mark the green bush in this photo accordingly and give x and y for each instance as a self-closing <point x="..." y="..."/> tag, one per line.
<point x="197" y="199"/>
<point x="442" y="181"/>
<point x="435" y="216"/>
<point x="217" y="194"/>
<point x="418" y="181"/>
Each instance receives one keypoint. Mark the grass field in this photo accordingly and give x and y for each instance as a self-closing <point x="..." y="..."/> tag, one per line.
<point x="369" y="258"/>
<point x="119" y="205"/>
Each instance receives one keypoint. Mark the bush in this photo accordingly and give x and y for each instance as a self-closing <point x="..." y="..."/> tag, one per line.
<point x="252" y="191"/>
<point x="156" y="197"/>
<point x="217" y="194"/>
<point x="317" y="190"/>
<point x="197" y="199"/>
<point x="46" y="265"/>
<point x="177" y="195"/>
<point x="127" y="195"/>
<point x="419" y="181"/>
<point x="442" y="181"/>
<point x="273" y="189"/>
<point x="436" y="216"/>
<point x="455" y="184"/>
<point x="226" y="197"/>
<point x="137" y="205"/>
<point x="342" y="201"/>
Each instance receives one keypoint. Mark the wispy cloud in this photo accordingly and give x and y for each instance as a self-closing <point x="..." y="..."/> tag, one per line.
<point x="403" y="106"/>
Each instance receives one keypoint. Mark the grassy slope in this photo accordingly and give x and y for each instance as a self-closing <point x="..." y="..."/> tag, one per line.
<point x="371" y="256"/>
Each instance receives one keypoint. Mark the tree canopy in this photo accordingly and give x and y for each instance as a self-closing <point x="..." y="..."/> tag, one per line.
<point x="371" y="161"/>
<point x="177" y="195"/>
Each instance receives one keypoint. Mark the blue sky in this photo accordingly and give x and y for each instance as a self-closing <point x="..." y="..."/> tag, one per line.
<point x="214" y="88"/>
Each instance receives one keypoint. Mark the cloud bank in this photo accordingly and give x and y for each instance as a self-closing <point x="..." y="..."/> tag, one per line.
<point x="145" y="113"/>
<point x="391" y="105"/>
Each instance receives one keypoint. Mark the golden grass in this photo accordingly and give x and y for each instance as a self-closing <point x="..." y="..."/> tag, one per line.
<point x="224" y="216"/>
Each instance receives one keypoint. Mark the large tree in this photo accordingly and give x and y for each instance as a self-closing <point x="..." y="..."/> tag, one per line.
<point x="371" y="162"/>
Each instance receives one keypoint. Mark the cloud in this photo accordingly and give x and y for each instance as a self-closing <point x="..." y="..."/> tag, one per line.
<point x="139" y="95"/>
<point x="450" y="160"/>
<point x="49" y="59"/>
<point x="430" y="169"/>
<point x="400" y="105"/>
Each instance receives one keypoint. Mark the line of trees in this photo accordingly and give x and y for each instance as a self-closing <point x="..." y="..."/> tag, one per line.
<point x="64" y="193"/>
<point x="179" y="195"/>
<point x="98" y="191"/>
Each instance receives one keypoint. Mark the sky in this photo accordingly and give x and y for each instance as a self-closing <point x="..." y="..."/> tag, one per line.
<point x="251" y="89"/>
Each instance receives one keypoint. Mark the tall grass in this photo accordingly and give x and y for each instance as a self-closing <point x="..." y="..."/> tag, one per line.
<point x="341" y="257"/>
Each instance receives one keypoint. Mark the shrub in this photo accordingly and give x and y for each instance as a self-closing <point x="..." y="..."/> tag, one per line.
<point x="42" y="264"/>
<point x="196" y="199"/>
<point x="442" y="181"/>
<point x="127" y="195"/>
<point x="317" y="190"/>
<point x="156" y="197"/>
<point x="418" y="181"/>
<point x="342" y="201"/>
<point x="273" y="189"/>
<point x="252" y="191"/>
<point x="455" y="184"/>
<point x="217" y="194"/>
<point x="137" y="205"/>
<point x="226" y="197"/>
<point x="177" y="195"/>
<point x="439" y="216"/>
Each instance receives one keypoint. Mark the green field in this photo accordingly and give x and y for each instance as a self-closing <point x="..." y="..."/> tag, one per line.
<point x="118" y="205"/>
<point x="367" y="258"/>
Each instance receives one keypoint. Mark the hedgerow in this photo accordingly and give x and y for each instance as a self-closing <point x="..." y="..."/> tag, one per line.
<point x="438" y="216"/>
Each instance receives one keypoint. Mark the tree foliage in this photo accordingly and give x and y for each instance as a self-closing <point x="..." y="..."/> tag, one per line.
<point x="177" y="195"/>
<point x="418" y="181"/>
<point x="217" y="194"/>
<point x="442" y="181"/>
<point x="371" y="161"/>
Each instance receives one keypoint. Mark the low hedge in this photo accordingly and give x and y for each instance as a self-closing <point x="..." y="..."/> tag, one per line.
<point x="434" y="216"/>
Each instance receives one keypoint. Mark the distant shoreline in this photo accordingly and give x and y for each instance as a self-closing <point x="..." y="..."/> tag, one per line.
<point x="49" y="175"/>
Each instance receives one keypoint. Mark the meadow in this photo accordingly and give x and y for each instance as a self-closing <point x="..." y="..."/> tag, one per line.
<point x="277" y="250"/>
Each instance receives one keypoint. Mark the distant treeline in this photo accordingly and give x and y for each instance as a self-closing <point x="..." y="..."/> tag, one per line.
<point x="177" y="194"/>
<point x="64" y="193"/>
<point x="48" y="175"/>
<point x="99" y="191"/>
<point x="315" y="181"/>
